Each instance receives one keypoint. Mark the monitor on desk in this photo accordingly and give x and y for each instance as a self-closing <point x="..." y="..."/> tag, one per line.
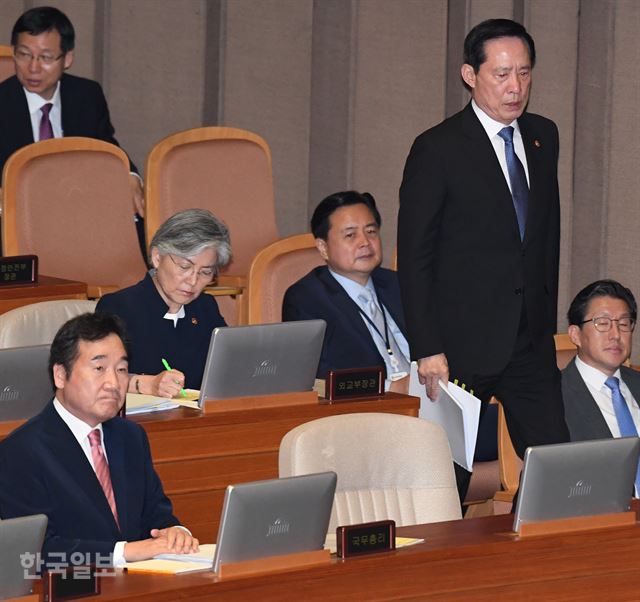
<point x="25" y="385"/>
<point x="274" y="517"/>
<point x="582" y="478"/>
<point x="18" y="537"/>
<point x="263" y="359"/>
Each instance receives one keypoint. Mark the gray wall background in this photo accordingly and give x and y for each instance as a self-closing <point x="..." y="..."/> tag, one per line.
<point x="340" y="88"/>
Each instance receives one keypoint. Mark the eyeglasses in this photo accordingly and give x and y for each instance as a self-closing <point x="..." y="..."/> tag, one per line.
<point x="186" y="268"/>
<point x="46" y="60"/>
<point x="604" y="323"/>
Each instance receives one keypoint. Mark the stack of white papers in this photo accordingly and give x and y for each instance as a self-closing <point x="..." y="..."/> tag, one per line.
<point x="456" y="411"/>
<point x="139" y="404"/>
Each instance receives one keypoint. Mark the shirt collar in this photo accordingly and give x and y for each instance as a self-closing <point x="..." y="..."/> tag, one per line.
<point x="175" y="317"/>
<point x="592" y="376"/>
<point x="491" y="126"/>
<point x="36" y="102"/>
<point x="79" y="428"/>
<point x="353" y="288"/>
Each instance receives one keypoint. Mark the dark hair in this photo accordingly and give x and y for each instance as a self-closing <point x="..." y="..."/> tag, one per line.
<point x="42" y="19"/>
<point x="491" y="29"/>
<point x="599" y="288"/>
<point x="320" y="217"/>
<point x="85" y="327"/>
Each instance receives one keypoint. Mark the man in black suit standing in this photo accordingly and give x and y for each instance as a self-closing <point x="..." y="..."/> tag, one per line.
<point x="41" y="101"/>
<point x="600" y="394"/>
<point x="359" y="300"/>
<point x="478" y="241"/>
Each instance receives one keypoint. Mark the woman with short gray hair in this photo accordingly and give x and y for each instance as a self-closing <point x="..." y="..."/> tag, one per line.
<point x="168" y="320"/>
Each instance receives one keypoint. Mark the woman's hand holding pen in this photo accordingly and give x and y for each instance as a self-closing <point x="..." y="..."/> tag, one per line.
<point x="168" y="384"/>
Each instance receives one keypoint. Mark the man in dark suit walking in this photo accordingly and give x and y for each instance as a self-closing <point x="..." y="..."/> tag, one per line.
<point x="600" y="394"/>
<point x="478" y="241"/>
<point x="359" y="300"/>
<point x="88" y="470"/>
<point x="41" y="101"/>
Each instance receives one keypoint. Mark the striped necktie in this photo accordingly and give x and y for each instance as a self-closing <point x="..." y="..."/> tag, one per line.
<point x="102" y="470"/>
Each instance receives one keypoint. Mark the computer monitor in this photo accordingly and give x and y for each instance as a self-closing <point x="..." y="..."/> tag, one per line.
<point x="581" y="478"/>
<point x="262" y="359"/>
<point x="20" y="536"/>
<point x="25" y="384"/>
<point x="274" y="517"/>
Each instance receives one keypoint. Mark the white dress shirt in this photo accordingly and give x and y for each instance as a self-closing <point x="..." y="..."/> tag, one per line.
<point x="353" y="289"/>
<point x="492" y="127"/>
<point x="80" y="431"/>
<point x="36" y="102"/>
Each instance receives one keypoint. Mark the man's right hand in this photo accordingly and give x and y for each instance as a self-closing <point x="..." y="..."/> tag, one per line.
<point x="431" y="370"/>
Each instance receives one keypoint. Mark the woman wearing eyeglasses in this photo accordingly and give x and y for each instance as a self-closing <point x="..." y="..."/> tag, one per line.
<point x="166" y="315"/>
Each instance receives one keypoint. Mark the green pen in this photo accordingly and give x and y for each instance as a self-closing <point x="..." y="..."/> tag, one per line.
<point x="165" y="363"/>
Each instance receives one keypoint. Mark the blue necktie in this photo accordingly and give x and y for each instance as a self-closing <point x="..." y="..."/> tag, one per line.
<point x="623" y="415"/>
<point x="517" y="178"/>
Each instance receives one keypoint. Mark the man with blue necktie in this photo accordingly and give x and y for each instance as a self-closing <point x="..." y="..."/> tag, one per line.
<point x="600" y="394"/>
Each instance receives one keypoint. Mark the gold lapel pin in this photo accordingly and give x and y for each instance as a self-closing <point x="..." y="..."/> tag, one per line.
<point x="536" y="142"/>
<point x="194" y="321"/>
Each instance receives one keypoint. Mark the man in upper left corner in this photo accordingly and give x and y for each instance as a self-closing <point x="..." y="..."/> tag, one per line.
<point x="42" y="101"/>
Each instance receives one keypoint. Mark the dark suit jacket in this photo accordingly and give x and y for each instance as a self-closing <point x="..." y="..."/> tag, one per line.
<point x="44" y="470"/>
<point x="347" y="340"/>
<point x="464" y="272"/>
<point x="581" y="412"/>
<point x="152" y="338"/>
<point x="84" y="113"/>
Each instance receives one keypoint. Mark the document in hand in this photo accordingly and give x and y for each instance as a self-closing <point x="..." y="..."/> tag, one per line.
<point x="456" y="411"/>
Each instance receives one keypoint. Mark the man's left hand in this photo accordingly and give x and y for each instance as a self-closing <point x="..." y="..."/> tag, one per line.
<point x="135" y="186"/>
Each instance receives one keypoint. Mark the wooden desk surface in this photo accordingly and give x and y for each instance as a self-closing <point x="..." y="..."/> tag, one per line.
<point x="475" y="560"/>
<point x="198" y="455"/>
<point x="47" y="288"/>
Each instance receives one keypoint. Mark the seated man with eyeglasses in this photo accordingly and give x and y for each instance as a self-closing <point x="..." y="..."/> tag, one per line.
<point x="41" y="101"/>
<point x="600" y="394"/>
<point x="166" y="315"/>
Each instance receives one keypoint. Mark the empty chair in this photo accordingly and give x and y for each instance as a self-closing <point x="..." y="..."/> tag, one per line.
<point x="37" y="324"/>
<point x="388" y="466"/>
<point x="274" y="270"/>
<point x="68" y="201"/>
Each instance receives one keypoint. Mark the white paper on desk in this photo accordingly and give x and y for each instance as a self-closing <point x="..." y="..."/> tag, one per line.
<point x="456" y="411"/>
<point x="139" y="404"/>
<point x="204" y="555"/>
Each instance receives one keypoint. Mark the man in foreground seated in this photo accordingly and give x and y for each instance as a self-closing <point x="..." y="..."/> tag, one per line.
<point x="600" y="394"/>
<point x="88" y="470"/>
<point x="359" y="300"/>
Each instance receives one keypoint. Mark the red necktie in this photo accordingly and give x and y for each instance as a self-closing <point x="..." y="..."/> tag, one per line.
<point x="46" y="129"/>
<point x="102" y="470"/>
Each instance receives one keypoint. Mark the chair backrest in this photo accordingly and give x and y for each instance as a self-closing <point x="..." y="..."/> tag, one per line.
<point x="7" y="67"/>
<point x="68" y="201"/>
<point x="225" y="170"/>
<point x="37" y="324"/>
<point x="565" y="350"/>
<point x="273" y="270"/>
<point x="388" y="466"/>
